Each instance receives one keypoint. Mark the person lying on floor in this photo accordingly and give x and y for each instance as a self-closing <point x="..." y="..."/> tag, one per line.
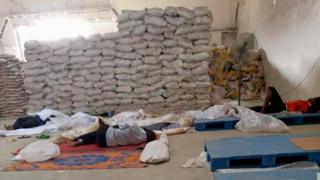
<point x="125" y="134"/>
<point x="185" y="124"/>
<point x="37" y="119"/>
<point x="274" y="104"/>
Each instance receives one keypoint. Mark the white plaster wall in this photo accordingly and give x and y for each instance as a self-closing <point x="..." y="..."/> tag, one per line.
<point x="9" y="42"/>
<point x="288" y="30"/>
<point x="3" y="13"/>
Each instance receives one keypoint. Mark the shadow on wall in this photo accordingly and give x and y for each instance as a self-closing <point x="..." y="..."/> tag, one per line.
<point x="308" y="86"/>
<point x="272" y="72"/>
<point x="315" y="79"/>
<point x="287" y="31"/>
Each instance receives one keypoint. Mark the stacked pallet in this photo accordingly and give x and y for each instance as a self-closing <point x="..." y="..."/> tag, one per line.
<point x="157" y="60"/>
<point x="12" y="95"/>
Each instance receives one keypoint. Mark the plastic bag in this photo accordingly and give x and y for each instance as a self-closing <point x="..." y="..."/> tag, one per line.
<point x="213" y="112"/>
<point x="38" y="151"/>
<point x="186" y="121"/>
<point x="156" y="151"/>
<point x="81" y="119"/>
<point x="251" y="121"/>
<point x="128" y="116"/>
<point x="200" y="161"/>
<point x="76" y="132"/>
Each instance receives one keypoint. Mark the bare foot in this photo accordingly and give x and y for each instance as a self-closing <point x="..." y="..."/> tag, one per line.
<point x="7" y="127"/>
<point x="73" y="143"/>
<point x="158" y="134"/>
<point x="69" y="141"/>
<point x="61" y="140"/>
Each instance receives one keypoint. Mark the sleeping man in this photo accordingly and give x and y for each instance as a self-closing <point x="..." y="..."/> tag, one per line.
<point x="273" y="104"/>
<point x="125" y="134"/>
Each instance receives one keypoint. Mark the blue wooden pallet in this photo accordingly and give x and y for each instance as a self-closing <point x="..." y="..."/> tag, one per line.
<point x="215" y="124"/>
<point x="280" y="174"/>
<point x="298" y="119"/>
<point x="259" y="152"/>
<point x="229" y="122"/>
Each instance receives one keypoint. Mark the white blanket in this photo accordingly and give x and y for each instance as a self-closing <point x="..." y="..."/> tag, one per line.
<point x="49" y="127"/>
<point x="61" y="122"/>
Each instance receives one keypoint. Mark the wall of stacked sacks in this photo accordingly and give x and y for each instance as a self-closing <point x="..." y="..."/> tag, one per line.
<point x="13" y="98"/>
<point x="158" y="59"/>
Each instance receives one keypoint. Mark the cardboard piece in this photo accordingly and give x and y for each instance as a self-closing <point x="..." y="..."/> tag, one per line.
<point x="307" y="143"/>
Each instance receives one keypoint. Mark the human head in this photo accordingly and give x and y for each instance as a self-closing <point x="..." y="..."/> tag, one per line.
<point x="314" y="101"/>
<point x="314" y="105"/>
<point x="272" y="91"/>
<point x="150" y="135"/>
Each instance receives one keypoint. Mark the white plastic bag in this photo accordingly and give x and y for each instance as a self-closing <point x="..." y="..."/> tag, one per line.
<point x="156" y="151"/>
<point x="38" y="151"/>
<point x="186" y="121"/>
<point x="81" y="119"/>
<point x="251" y="121"/>
<point x="213" y="112"/>
<point x="200" y="161"/>
<point x="128" y="116"/>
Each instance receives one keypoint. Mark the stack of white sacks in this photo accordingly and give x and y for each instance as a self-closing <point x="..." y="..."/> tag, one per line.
<point x="158" y="59"/>
<point x="12" y="95"/>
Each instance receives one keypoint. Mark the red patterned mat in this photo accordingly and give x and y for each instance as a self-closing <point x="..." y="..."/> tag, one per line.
<point x="86" y="157"/>
<point x="94" y="147"/>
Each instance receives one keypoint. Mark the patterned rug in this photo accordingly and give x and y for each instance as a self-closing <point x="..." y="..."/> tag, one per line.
<point x="94" y="147"/>
<point x="108" y="158"/>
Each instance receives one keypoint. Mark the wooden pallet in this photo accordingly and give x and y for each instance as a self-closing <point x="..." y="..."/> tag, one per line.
<point x="229" y="122"/>
<point x="258" y="152"/>
<point x="293" y="173"/>
<point x="215" y="124"/>
<point x="298" y="119"/>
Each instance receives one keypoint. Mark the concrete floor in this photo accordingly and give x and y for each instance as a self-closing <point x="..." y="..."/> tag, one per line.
<point x="182" y="147"/>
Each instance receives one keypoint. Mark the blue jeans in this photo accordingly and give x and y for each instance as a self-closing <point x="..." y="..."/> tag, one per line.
<point x="97" y="137"/>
